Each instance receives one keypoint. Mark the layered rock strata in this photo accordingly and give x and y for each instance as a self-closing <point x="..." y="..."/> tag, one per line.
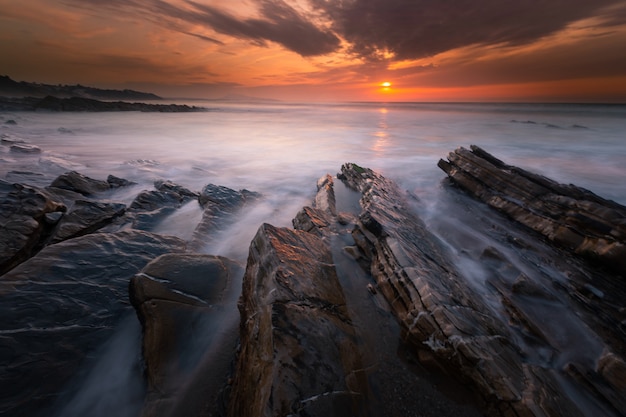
<point x="298" y="347"/>
<point x="445" y="318"/>
<point x="570" y="216"/>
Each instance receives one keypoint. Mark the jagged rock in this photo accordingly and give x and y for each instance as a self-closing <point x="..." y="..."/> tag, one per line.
<point x="116" y="182"/>
<point x="318" y="219"/>
<point x="25" y="148"/>
<point x="219" y="204"/>
<point x="60" y="306"/>
<point x="569" y="216"/>
<point x="79" y="183"/>
<point x="86" y="217"/>
<point x="150" y="207"/>
<point x="22" y="221"/>
<point x="311" y="220"/>
<point x="439" y="310"/>
<point x="325" y="196"/>
<point x="172" y="187"/>
<point x="177" y="298"/>
<point x="298" y="350"/>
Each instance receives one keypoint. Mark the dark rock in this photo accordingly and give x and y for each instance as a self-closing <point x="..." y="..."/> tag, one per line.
<point x="116" y="182"/>
<point x="74" y="181"/>
<point x="443" y="313"/>
<point x="25" y="148"/>
<point x="60" y="306"/>
<point x="177" y="298"/>
<point x="10" y="122"/>
<point x="298" y="349"/>
<point x="7" y="139"/>
<point x="166" y="186"/>
<point x="86" y="217"/>
<point x="224" y="198"/>
<point x="81" y="104"/>
<point x="219" y="204"/>
<point x="22" y="221"/>
<point x="150" y="207"/>
<point x="569" y="216"/>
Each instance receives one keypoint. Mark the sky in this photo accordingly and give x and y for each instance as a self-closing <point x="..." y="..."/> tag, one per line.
<point x="324" y="50"/>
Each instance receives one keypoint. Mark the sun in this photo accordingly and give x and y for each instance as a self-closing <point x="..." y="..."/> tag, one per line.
<point x="386" y="84"/>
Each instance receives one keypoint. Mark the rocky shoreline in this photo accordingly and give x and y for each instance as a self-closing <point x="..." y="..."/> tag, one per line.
<point x="354" y="311"/>
<point x="82" y="104"/>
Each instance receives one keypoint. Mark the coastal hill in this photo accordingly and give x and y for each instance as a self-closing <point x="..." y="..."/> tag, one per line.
<point x="12" y="88"/>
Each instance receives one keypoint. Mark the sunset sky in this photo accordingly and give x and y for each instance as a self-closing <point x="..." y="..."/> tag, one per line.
<point x="324" y="50"/>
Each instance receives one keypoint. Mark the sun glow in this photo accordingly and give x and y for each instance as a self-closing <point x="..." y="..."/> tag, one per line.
<point x="386" y="84"/>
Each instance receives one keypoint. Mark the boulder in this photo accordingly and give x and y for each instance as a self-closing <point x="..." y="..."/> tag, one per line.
<point x="62" y="305"/>
<point x="23" y="225"/>
<point x="79" y="183"/>
<point x="572" y="217"/>
<point x="117" y="182"/>
<point x="179" y="300"/>
<point x="298" y="351"/>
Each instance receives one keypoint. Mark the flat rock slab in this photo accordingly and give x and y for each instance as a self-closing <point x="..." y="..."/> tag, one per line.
<point x="77" y="182"/>
<point x="86" y="217"/>
<point x="572" y="217"/>
<point x="62" y="304"/>
<point x="177" y="298"/>
<point x="298" y="352"/>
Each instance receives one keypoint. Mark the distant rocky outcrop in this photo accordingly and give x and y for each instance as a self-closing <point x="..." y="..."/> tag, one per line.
<point x="570" y="216"/>
<point x="11" y="88"/>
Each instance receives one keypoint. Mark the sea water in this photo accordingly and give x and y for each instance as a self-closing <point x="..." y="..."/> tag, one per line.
<point x="280" y="150"/>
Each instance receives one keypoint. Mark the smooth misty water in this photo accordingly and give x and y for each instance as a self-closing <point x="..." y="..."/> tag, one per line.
<point x="281" y="150"/>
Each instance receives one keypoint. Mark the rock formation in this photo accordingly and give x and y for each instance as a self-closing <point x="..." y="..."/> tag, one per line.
<point x="63" y="304"/>
<point x="22" y="221"/>
<point x="442" y="313"/>
<point x="528" y="325"/>
<point x="178" y="299"/>
<point x="298" y="349"/>
<point x="569" y="216"/>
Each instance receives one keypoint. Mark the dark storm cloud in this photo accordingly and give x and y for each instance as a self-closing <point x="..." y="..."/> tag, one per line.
<point x="419" y="28"/>
<point x="278" y="22"/>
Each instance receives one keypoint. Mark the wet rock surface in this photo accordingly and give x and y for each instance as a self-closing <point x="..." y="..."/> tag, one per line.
<point x="570" y="216"/>
<point x="298" y="353"/>
<point x="220" y="205"/>
<point x="85" y="217"/>
<point x="525" y="342"/>
<point x="371" y="305"/>
<point x="79" y="183"/>
<point x="22" y="221"/>
<point x="179" y="300"/>
<point x="62" y="304"/>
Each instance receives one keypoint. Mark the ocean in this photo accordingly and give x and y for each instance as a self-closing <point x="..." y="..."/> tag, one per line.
<point x="281" y="149"/>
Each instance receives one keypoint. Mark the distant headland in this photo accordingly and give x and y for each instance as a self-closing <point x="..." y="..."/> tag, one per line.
<point x="29" y="96"/>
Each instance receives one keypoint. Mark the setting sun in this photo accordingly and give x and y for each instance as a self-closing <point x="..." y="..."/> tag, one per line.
<point x="386" y="84"/>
